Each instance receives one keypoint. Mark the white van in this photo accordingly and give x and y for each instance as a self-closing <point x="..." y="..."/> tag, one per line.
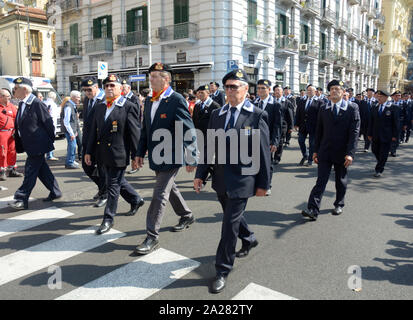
<point x="40" y="84"/>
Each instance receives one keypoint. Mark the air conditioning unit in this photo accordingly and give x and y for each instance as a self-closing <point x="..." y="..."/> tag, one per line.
<point x="303" y="78"/>
<point x="303" y="47"/>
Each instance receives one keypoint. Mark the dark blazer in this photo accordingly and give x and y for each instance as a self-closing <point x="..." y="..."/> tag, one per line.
<point x="89" y="114"/>
<point x="115" y="140"/>
<point x="287" y="116"/>
<point x="293" y="102"/>
<point x="133" y="98"/>
<point x="386" y="126"/>
<point x="219" y="97"/>
<point x="201" y="117"/>
<point x="409" y="114"/>
<point x="273" y="110"/>
<point x="365" y="111"/>
<point x="172" y="110"/>
<point x="337" y="136"/>
<point x="306" y="120"/>
<point x="34" y="129"/>
<point x="229" y="178"/>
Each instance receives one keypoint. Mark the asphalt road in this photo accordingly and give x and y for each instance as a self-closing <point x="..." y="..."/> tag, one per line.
<point x="295" y="257"/>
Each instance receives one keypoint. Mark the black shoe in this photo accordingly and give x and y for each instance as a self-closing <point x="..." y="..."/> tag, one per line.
<point x="302" y="161"/>
<point x="218" y="284"/>
<point x="183" y="224"/>
<point x="134" y="208"/>
<point x="14" y="174"/>
<point x="101" y="202"/>
<point x="74" y="166"/>
<point x="393" y="154"/>
<point x="246" y="249"/>
<point x="104" y="227"/>
<point x="132" y="171"/>
<point x="19" y="205"/>
<point x="377" y="175"/>
<point x="3" y="176"/>
<point x="96" y="196"/>
<point x="308" y="164"/>
<point x="337" y="211"/>
<point x="147" y="246"/>
<point x="51" y="198"/>
<point x="310" y="213"/>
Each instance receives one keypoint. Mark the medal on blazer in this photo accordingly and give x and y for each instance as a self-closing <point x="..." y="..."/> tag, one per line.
<point x="247" y="131"/>
<point x="163" y="116"/>
<point x="115" y="126"/>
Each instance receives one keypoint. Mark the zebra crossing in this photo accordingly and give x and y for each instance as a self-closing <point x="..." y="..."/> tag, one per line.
<point x="137" y="280"/>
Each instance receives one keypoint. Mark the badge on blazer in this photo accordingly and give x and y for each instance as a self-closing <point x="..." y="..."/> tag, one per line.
<point x="163" y="116"/>
<point x="115" y="126"/>
<point x="247" y="131"/>
<point x="388" y="113"/>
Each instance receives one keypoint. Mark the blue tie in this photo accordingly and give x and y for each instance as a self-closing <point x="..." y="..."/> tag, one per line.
<point x="380" y="109"/>
<point x="231" y="121"/>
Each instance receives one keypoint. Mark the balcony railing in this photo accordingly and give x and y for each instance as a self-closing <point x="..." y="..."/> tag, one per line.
<point x="356" y="32"/>
<point x="364" y="6"/>
<point x="329" y="16"/>
<point x="64" y="5"/>
<point x="379" y="19"/>
<point x="326" y="56"/>
<point x="311" y="7"/>
<point x="133" y="38"/>
<point x="99" y="45"/>
<point x="311" y="52"/>
<point x="340" y="61"/>
<point x="181" y="31"/>
<point x="342" y="25"/>
<point x="354" y="2"/>
<point x="72" y="50"/>
<point x="285" y="44"/>
<point x="258" y="37"/>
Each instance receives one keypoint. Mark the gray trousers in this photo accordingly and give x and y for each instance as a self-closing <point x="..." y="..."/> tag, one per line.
<point x="165" y="189"/>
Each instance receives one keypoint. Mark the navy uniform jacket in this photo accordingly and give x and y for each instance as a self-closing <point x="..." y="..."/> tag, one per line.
<point x="172" y="110"/>
<point x="401" y="110"/>
<point x="293" y="103"/>
<point x="132" y="98"/>
<point x="218" y="97"/>
<point x="89" y="114"/>
<point x="200" y="117"/>
<point x="384" y="127"/>
<point x="115" y="140"/>
<point x="336" y="136"/>
<point x="287" y="115"/>
<point x="409" y="113"/>
<point x="227" y="178"/>
<point x="365" y="112"/>
<point x="274" y="123"/>
<point x="306" y="120"/>
<point x="34" y="129"/>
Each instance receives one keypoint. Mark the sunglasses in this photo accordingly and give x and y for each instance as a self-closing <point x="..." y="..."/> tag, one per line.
<point x="110" y="85"/>
<point x="232" y="87"/>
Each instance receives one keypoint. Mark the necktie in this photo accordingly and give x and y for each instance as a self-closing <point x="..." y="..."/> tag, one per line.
<point x="21" y="111"/>
<point x="336" y="109"/>
<point x="307" y="104"/>
<point x="261" y="105"/>
<point x="380" y="109"/>
<point x="231" y="121"/>
<point x="89" y="108"/>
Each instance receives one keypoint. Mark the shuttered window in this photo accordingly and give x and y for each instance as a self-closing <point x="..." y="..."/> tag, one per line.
<point x="102" y="27"/>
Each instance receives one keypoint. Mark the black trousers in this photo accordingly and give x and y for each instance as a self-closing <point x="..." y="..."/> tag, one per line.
<point x="280" y="148"/>
<point x="367" y="143"/>
<point x="324" y="169"/>
<point x="395" y="144"/>
<point x="97" y="174"/>
<point x="234" y="226"/>
<point x="79" y="144"/>
<point x="381" y="152"/>
<point x="117" y="185"/>
<point x="37" y="167"/>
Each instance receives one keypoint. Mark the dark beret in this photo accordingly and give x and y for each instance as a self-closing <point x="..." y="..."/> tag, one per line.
<point x="22" y="80"/>
<point x="396" y="92"/>
<point x="287" y="87"/>
<point x="335" y="83"/>
<point x="370" y="89"/>
<point x="320" y="89"/>
<point x="264" y="82"/>
<point x="237" y="74"/>
<point x="383" y="92"/>
<point x="126" y="81"/>
<point x="310" y="85"/>
<point x="202" y="88"/>
<point x="88" y="82"/>
<point x="216" y="83"/>
<point x="158" y="66"/>
<point x="111" y="78"/>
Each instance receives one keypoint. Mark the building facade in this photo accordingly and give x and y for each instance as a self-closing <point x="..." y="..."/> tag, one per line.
<point x="395" y="34"/>
<point x="25" y="52"/>
<point x="289" y="42"/>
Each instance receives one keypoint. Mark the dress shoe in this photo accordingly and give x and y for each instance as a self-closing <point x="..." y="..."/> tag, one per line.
<point x="72" y="166"/>
<point x="51" y="198"/>
<point x="96" y="196"/>
<point x="147" y="246"/>
<point x="14" y="174"/>
<point x="53" y="159"/>
<point x="308" y="164"/>
<point x="132" y="171"/>
<point x="101" y="202"/>
<point x="134" y="208"/>
<point x="337" y="211"/>
<point x="310" y="213"/>
<point x="218" y="284"/>
<point x="183" y="224"/>
<point x="377" y="175"/>
<point x="3" y="176"/>
<point x="246" y="249"/>
<point x="268" y="193"/>
<point x="104" y="227"/>
<point x="302" y="161"/>
<point x="19" y="205"/>
<point x="393" y="154"/>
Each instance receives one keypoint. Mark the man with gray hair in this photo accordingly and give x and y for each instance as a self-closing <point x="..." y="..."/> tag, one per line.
<point x="53" y="109"/>
<point x="71" y="128"/>
<point x="34" y="134"/>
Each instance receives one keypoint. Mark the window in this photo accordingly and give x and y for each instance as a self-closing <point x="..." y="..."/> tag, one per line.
<point x="181" y="11"/>
<point x="251" y="59"/>
<point x="252" y="12"/>
<point x="305" y="34"/>
<point x="137" y="19"/>
<point x="102" y="27"/>
<point x="282" y="25"/>
<point x="74" y="39"/>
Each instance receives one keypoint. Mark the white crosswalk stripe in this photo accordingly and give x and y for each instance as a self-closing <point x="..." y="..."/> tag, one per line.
<point x="31" y="220"/>
<point x="137" y="280"/>
<point x="256" y="292"/>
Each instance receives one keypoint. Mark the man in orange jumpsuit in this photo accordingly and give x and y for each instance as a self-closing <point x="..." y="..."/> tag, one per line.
<point x="7" y="146"/>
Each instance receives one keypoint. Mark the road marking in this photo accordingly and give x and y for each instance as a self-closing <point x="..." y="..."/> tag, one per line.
<point x="24" y="262"/>
<point x="256" y="292"/>
<point x="137" y="280"/>
<point x="4" y="202"/>
<point x="31" y="220"/>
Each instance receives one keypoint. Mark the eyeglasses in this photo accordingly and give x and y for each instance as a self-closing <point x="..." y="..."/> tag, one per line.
<point x="110" y="85"/>
<point x="261" y="88"/>
<point x="232" y="87"/>
<point x="87" y="90"/>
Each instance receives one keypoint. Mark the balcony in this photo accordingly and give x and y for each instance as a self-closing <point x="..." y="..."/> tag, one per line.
<point x="355" y="33"/>
<point x="70" y="52"/>
<point x="364" y="6"/>
<point x="180" y="33"/>
<point x="342" y="25"/>
<point x="379" y="19"/>
<point x="286" y="45"/>
<point x="308" y="52"/>
<point x="378" y="47"/>
<point x="132" y="39"/>
<point x="371" y="14"/>
<point x="371" y="42"/>
<point x="258" y="37"/>
<point x="329" y="17"/>
<point x="99" y="46"/>
<point x="326" y="57"/>
<point x="353" y="2"/>
<point x="290" y="2"/>
<point x="65" y="5"/>
<point x="340" y="62"/>
<point x="311" y="8"/>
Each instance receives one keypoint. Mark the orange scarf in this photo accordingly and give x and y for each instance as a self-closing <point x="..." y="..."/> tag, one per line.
<point x="156" y="95"/>
<point x="109" y="101"/>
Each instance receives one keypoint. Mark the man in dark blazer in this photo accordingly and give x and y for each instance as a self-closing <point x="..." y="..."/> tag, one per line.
<point x="128" y="94"/>
<point x="293" y="106"/>
<point x="235" y="181"/>
<point x="401" y="112"/>
<point x="95" y="172"/>
<point x="217" y="95"/>
<point x="165" y="113"/>
<point x="366" y="106"/>
<point x="34" y="134"/>
<point x="306" y="123"/>
<point x="113" y="139"/>
<point x="383" y="129"/>
<point x="409" y="115"/>
<point x="267" y="102"/>
<point x="337" y="133"/>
